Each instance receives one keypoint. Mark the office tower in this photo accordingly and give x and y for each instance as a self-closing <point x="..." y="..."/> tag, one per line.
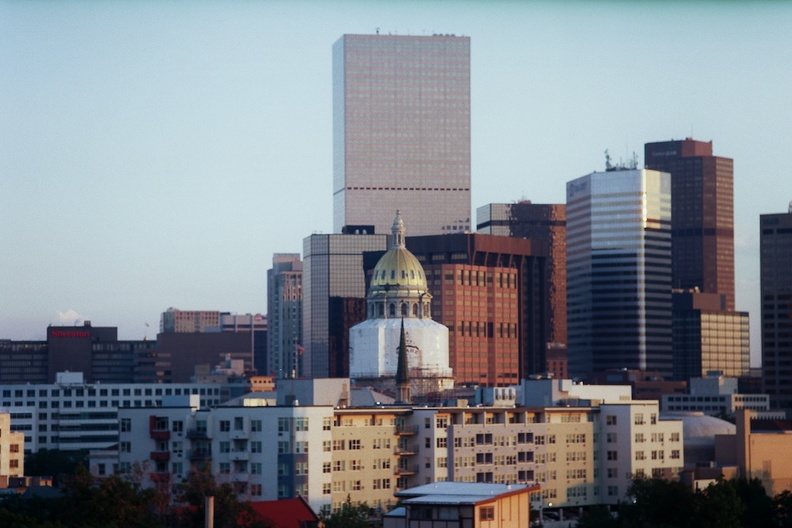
<point x="776" y="277"/>
<point x="707" y="337"/>
<point x="545" y="226"/>
<point x="174" y="320"/>
<point x="284" y="311"/>
<point x="489" y="291"/>
<point x="334" y="293"/>
<point x="401" y="133"/>
<point x="619" y="271"/>
<point x="256" y="326"/>
<point x="702" y="207"/>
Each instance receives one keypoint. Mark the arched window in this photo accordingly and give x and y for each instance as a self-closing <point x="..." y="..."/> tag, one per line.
<point x="381" y="309"/>
<point x="415" y="310"/>
<point x="392" y="310"/>
<point x="404" y="309"/>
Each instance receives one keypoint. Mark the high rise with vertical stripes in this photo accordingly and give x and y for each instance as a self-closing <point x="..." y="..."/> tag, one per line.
<point x="619" y="271"/>
<point x="401" y="133"/>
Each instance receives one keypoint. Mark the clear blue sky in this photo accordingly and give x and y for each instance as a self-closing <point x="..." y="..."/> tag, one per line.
<point x="156" y="154"/>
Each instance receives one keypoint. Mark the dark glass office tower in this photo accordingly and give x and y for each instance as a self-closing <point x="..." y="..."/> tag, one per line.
<point x="702" y="211"/>
<point x="776" y="277"/>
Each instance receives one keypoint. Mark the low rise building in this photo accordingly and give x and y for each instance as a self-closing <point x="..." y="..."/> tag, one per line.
<point x="71" y="414"/>
<point x="327" y="452"/>
<point x="714" y="395"/>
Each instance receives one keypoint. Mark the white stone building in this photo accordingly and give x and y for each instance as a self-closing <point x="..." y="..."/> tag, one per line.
<point x="398" y="298"/>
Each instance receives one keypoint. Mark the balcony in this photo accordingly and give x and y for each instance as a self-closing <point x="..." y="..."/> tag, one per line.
<point x="158" y="428"/>
<point x="197" y="433"/>
<point x="240" y="455"/>
<point x="405" y="470"/>
<point x="404" y="451"/>
<point x="239" y="435"/>
<point x="404" y="430"/>
<point x="160" y="456"/>
<point x="160" y="435"/>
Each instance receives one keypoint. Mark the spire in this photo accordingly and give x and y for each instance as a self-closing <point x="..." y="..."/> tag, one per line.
<point x="398" y="232"/>
<point x="402" y="370"/>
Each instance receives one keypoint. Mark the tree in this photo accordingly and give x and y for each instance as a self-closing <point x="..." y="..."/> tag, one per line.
<point x="229" y="511"/>
<point x="658" y="503"/>
<point x="719" y="506"/>
<point x="347" y="516"/>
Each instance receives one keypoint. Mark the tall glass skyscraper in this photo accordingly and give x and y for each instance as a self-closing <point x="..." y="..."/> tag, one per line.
<point x="702" y="198"/>
<point x="401" y="133"/>
<point x="619" y="271"/>
<point x="776" y="276"/>
<point x="333" y="285"/>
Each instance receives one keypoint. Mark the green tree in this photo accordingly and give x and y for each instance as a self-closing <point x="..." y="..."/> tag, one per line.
<point x="757" y="504"/>
<point x="598" y="517"/>
<point x="54" y="463"/>
<point x="782" y="509"/>
<point x="657" y="503"/>
<point x="113" y="502"/>
<point x="718" y="506"/>
<point x="229" y="512"/>
<point x="347" y="516"/>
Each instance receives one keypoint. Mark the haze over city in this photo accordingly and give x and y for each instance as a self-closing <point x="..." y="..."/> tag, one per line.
<point x="158" y="154"/>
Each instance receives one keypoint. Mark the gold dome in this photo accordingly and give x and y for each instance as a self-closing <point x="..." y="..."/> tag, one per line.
<point x="398" y="269"/>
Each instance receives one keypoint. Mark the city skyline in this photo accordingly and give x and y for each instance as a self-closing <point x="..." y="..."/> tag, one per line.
<point x="155" y="155"/>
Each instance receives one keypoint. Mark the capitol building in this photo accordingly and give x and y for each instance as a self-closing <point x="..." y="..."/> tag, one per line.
<point x="399" y="306"/>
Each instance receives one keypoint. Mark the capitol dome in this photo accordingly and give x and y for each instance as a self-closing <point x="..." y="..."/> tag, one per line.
<point x="398" y="284"/>
<point x="399" y="306"/>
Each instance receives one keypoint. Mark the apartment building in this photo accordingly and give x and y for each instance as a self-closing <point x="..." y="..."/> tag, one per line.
<point x="12" y="451"/>
<point x="579" y="455"/>
<point x="71" y="414"/>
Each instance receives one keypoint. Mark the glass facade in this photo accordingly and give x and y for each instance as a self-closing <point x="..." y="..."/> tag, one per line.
<point x="332" y="268"/>
<point x="776" y="278"/>
<point x="545" y="226"/>
<point x="702" y="200"/>
<point x="284" y="309"/>
<point x="619" y="271"/>
<point x="401" y="132"/>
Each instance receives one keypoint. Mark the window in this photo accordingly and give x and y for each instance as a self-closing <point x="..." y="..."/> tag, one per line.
<point x="255" y="426"/>
<point x="354" y="445"/>
<point x="225" y="447"/>
<point x="225" y="426"/>
<point x="126" y="425"/>
<point x="613" y="455"/>
<point x="487" y="513"/>
<point x="239" y="423"/>
<point x="610" y="419"/>
<point x="639" y="419"/>
<point x="126" y="447"/>
<point x="255" y="447"/>
<point x="283" y="448"/>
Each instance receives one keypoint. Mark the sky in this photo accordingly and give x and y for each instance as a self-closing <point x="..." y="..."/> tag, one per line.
<point x="156" y="154"/>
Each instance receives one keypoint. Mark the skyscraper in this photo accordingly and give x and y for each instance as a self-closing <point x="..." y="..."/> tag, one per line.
<point x="401" y="133"/>
<point x="702" y="205"/>
<point x="776" y="277"/>
<point x="619" y="271"/>
<point x="334" y="299"/>
<point x="545" y="226"/>
<point x="489" y="291"/>
<point x="284" y="311"/>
